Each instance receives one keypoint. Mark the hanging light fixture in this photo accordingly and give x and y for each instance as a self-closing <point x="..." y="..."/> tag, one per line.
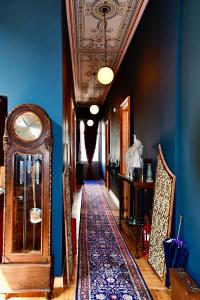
<point x="94" y="109"/>
<point x="90" y="122"/>
<point x="105" y="75"/>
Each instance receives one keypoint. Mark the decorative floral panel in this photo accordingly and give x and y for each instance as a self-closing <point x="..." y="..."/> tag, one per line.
<point x="162" y="214"/>
<point x="68" y="226"/>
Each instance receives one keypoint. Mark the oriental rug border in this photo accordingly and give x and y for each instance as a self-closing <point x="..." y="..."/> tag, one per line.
<point x="106" y="269"/>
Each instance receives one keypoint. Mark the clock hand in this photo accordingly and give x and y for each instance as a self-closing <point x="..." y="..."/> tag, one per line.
<point x="25" y="123"/>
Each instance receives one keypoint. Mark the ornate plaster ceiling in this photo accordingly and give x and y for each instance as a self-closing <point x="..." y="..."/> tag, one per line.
<point x="86" y="31"/>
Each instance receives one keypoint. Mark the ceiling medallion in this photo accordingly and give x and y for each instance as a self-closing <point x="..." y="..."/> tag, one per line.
<point x="99" y="6"/>
<point x="104" y="8"/>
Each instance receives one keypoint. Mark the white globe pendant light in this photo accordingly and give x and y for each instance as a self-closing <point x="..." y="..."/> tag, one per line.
<point x="94" y="109"/>
<point x="90" y="123"/>
<point x="105" y="74"/>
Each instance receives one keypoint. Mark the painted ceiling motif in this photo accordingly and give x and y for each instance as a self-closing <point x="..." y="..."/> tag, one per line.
<point x="87" y="41"/>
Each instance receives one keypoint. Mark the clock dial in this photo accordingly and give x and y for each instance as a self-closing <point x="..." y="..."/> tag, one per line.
<point x="28" y="126"/>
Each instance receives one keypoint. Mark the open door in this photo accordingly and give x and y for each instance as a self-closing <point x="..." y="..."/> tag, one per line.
<point x="124" y="144"/>
<point x="107" y="152"/>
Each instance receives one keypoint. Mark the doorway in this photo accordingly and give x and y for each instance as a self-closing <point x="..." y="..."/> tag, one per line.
<point x="124" y="144"/>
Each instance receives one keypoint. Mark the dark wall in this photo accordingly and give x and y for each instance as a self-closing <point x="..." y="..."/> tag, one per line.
<point x="189" y="204"/>
<point x="161" y="74"/>
<point x="83" y="113"/>
<point x="68" y="91"/>
<point x="148" y="76"/>
<point x="31" y="72"/>
<point x="3" y="114"/>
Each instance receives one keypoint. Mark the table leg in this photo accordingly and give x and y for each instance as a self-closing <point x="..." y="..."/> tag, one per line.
<point x="120" y="202"/>
<point x="136" y="220"/>
<point x="145" y="202"/>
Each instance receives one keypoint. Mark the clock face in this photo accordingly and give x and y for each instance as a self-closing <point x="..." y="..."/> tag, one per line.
<point x="28" y="126"/>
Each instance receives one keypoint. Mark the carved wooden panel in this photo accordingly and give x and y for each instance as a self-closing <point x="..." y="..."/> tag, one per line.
<point x="68" y="225"/>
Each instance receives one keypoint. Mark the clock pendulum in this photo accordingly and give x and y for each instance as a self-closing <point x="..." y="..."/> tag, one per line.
<point x="35" y="213"/>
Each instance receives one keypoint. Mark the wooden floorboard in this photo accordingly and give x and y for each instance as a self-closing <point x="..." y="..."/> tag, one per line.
<point x="158" y="291"/>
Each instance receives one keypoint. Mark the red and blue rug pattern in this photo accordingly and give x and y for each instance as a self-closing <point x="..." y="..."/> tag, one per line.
<point x="106" y="269"/>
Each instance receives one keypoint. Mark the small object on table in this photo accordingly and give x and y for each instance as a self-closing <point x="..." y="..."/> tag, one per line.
<point x="149" y="175"/>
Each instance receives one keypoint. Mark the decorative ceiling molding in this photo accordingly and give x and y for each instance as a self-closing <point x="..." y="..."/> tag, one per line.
<point x="86" y="32"/>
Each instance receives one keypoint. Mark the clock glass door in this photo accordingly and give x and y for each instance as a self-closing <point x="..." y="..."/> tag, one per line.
<point x="27" y="206"/>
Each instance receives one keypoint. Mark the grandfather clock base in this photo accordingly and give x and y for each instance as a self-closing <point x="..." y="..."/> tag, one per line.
<point x="19" y="278"/>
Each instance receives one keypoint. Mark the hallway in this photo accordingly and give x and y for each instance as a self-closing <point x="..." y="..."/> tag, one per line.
<point x="50" y="56"/>
<point x="155" y="286"/>
<point x="106" y="269"/>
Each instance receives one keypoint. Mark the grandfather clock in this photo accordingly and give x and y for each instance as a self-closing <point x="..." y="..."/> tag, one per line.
<point x="26" y="261"/>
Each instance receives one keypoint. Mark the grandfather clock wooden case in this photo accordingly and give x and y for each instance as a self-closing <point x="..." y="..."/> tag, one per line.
<point x="26" y="261"/>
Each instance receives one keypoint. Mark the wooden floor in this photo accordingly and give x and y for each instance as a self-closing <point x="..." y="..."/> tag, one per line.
<point x="154" y="284"/>
<point x="158" y="291"/>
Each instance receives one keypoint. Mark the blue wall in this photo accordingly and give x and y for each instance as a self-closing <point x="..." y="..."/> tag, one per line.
<point x="189" y="204"/>
<point x="148" y="76"/>
<point x="31" y="72"/>
<point x="161" y="73"/>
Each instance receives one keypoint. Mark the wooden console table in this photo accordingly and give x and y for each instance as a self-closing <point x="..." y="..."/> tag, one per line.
<point x="137" y="186"/>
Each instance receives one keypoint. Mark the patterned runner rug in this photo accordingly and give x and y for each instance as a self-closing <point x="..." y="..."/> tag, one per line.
<point x="106" y="268"/>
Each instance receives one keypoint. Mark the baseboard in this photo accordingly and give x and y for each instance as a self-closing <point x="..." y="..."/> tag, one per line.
<point x="114" y="198"/>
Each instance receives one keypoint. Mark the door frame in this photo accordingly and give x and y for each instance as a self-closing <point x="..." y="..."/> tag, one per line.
<point x="73" y="147"/>
<point x="107" y="152"/>
<point x="125" y="105"/>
